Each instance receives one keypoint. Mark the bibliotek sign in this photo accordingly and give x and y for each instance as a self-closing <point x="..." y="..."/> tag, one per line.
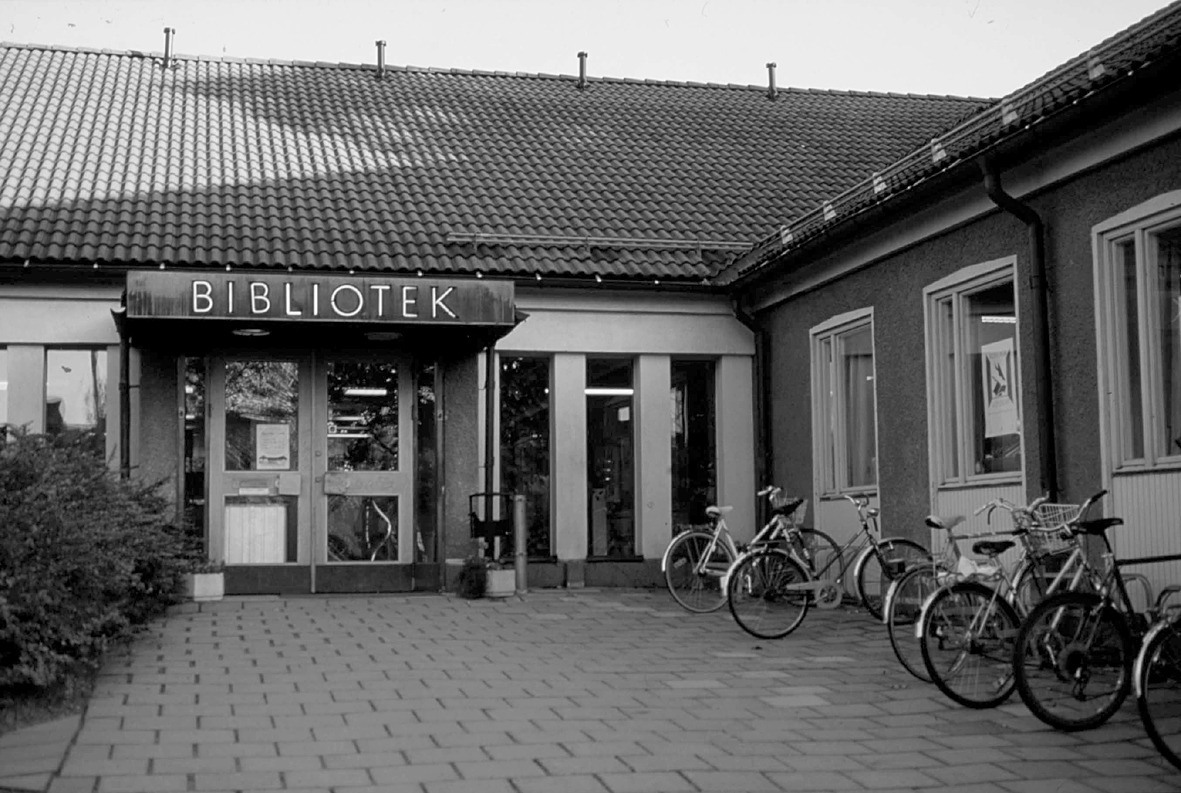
<point x="318" y="298"/>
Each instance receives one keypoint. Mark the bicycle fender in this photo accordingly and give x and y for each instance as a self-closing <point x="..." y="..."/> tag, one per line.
<point x="859" y="562"/>
<point x="918" y="624"/>
<point x="888" y="601"/>
<point x="1138" y="666"/>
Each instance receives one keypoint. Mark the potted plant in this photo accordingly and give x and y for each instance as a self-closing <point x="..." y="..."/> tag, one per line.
<point x="500" y="581"/>
<point x="483" y="577"/>
<point x="205" y="581"/>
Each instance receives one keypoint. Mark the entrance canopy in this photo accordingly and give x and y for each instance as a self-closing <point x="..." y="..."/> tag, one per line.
<point x="169" y="308"/>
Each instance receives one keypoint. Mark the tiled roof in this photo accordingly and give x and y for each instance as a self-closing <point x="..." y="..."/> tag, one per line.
<point x="110" y="158"/>
<point x="1118" y="59"/>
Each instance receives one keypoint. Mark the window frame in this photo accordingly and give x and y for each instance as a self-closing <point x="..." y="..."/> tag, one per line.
<point x="955" y="288"/>
<point x="1136" y="225"/>
<point x="829" y="441"/>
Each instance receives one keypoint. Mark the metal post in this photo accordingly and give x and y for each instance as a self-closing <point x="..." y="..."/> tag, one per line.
<point x="520" y="551"/>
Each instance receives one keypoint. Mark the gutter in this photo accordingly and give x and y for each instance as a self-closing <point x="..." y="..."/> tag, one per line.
<point x="1041" y="323"/>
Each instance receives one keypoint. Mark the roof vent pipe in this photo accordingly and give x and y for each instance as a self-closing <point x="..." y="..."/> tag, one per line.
<point x="772" y="93"/>
<point x="168" y="47"/>
<point x="380" y="58"/>
<point x="581" y="70"/>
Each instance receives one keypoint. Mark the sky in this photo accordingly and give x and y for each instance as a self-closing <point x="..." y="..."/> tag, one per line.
<point x="981" y="48"/>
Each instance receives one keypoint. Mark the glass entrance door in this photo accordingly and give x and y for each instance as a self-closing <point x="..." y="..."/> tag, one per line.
<point x="363" y="470"/>
<point x="259" y="471"/>
<point x="311" y="473"/>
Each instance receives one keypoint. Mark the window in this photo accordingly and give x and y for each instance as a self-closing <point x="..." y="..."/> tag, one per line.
<point x="845" y="418"/>
<point x="694" y="459"/>
<point x="76" y="393"/>
<point x="3" y="387"/>
<point x="611" y="484"/>
<point x="973" y="375"/>
<point x="1140" y="334"/>
<point x="525" y="443"/>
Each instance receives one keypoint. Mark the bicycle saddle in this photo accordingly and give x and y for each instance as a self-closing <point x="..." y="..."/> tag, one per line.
<point x="715" y="512"/>
<point x="1097" y="526"/>
<point x="947" y="524"/>
<point x="992" y="547"/>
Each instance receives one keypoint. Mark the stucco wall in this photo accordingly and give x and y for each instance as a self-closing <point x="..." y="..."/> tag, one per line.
<point x="893" y="288"/>
<point x="159" y="430"/>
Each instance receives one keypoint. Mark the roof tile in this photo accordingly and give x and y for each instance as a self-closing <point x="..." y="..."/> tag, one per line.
<point x="234" y="162"/>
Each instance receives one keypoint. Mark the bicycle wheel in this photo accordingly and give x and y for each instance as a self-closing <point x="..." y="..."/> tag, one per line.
<point x="1159" y="700"/>
<point x="765" y="593"/>
<point x="1073" y="661"/>
<point x="904" y="602"/>
<point x="695" y="582"/>
<point x="881" y="566"/>
<point x="966" y="639"/>
<point x="822" y="561"/>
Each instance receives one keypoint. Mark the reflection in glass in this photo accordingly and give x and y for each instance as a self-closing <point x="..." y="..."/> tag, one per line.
<point x="362" y="416"/>
<point x="195" y="443"/>
<point x="424" y="477"/>
<point x="524" y="443"/>
<point x="362" y="528"/>
<point x="76" y="393"/>
<point x="1165" y="249"/>
<point x="992" y="379"/>
<point x="694" y="480"/>
<point x="611" y="461"/>
<point x="262" y="408"/>
<point x="861" y="463"/>
<point x="3" y="386"/>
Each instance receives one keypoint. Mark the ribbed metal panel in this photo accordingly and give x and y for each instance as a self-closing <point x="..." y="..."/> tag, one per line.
<point x="965" y="502"/>
<point x="1150" y="505"/>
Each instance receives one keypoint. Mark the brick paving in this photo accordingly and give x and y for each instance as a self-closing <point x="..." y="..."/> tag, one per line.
<point x="595" y="691"/>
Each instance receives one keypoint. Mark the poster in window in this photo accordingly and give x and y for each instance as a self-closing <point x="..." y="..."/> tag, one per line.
<point x="1000" y="400"/>
<point x="272" y="447"/>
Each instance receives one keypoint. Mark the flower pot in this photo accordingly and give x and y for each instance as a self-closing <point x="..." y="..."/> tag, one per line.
<point x="204" y="587"/>
<point x="500" y="583"/>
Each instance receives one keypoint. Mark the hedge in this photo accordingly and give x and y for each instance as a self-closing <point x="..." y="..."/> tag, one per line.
<point x="84" y="557"/>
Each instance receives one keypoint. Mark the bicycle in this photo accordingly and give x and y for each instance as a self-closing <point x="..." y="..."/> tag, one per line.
<point x="1074" y="654"/>
<point x="953" y="627"/>
<point x="1156" y="675"/>
<point x="770" y="588"/>
<point x="696" y="560"/>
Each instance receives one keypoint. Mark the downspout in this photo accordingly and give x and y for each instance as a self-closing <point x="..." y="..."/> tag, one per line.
<point x="762" y="448"/>
<point x="1041" y="323"/>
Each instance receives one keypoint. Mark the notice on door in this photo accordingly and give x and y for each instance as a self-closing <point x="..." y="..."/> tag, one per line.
<point x="272" y="447"/>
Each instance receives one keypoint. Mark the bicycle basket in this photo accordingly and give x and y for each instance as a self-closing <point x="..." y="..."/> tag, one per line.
<point x="1043" y="535"/>
<point x="795" y="517"/>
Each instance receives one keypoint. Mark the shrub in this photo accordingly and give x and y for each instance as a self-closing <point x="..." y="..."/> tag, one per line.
<point x="84" y="557"/>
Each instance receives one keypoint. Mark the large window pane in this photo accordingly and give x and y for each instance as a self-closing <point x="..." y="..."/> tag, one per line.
<point x="694" y="457"/>
<point x="611" y="461"/>
<point x="76" y="393"/>
<point x="425" y="473"/>
<point x="1127" y="332"/>
<point x="362" y="416"/>
<point x="1165" y="260"/>
<point x="195" y="445"/>
<point x="262" y="412"/>
<point x="362" y="528"/>
<point x="828" y="430"/>
<point x="991" y="341"/>
<point x="860" y="432"/>
<point x="3" y="387"/>
<point x="524" y="444"/>
<point x="946" y="397"/>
